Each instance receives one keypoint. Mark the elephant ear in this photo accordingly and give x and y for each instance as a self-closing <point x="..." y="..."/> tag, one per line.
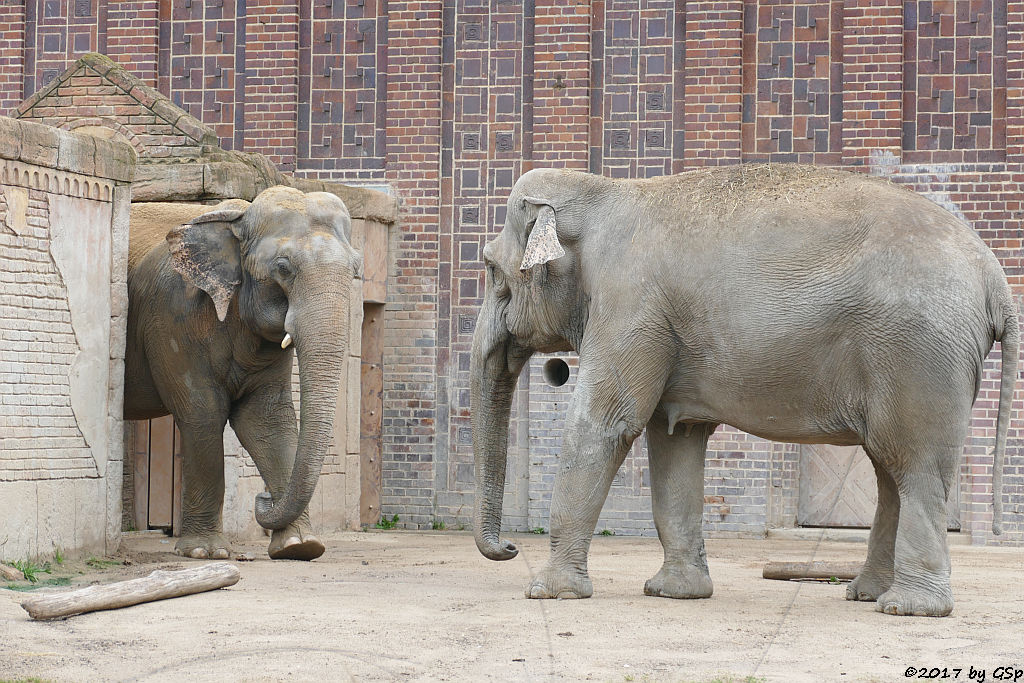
<point x="205" y="252"/>
<point x="542" y="245"/>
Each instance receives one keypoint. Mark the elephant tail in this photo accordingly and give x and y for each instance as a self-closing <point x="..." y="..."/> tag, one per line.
<point x="1008" y="334"/>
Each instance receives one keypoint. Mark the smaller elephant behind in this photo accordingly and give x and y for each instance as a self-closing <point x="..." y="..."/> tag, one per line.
<point x="219" y="296"/>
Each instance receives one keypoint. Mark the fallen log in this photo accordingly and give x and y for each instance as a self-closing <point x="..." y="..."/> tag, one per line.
<point x="10" y="573"/>
<point x="159" y="585"/>
<point x="786" y="571"/>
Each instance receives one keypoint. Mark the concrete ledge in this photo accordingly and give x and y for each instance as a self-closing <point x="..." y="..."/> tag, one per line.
<point x="42" y="145"/>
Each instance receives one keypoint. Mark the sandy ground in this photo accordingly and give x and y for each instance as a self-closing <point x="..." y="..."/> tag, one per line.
<point x="404" y="606"/>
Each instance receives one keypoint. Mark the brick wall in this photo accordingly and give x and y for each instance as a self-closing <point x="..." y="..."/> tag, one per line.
<point x="448" y="101"/>
<point x="63" y="307"/>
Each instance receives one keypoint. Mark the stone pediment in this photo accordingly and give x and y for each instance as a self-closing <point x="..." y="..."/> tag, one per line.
<point x="179" y="157"/>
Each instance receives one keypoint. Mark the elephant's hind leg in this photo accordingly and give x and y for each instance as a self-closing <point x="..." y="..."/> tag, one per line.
<point x="922" y="467"/>
<point x="877" y="575"/>
<point x="677" y="494"/>
<point x="265" y="424"/>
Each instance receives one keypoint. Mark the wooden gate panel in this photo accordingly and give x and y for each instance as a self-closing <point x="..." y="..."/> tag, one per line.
<point x="838" y="488"/>
<point x="371" y="413"/>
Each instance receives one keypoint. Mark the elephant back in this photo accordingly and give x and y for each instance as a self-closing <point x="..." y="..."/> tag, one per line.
<point x="150" y="223"/>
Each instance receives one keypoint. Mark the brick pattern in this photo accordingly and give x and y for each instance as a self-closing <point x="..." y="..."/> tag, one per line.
<point x="207" y="46"/>
<point x="561" y="104"/>
<point x="12" y="57"/>
<point x="638" y="88"/>
<point x="872" y="79"/>
<point x="41" y="439"/>
<point x="133" y="37"/>
<point x="714" y="84"/>
<point x="413" y="170"/>
<point x="954" y="81"/>
<point x="56" y="33"/>
<point x="272" y="80"/>
<point x="793" y="81"/>
<point x="341" y="131"/>
<point x="91" y="97"/>
<point x="458" y="97"/>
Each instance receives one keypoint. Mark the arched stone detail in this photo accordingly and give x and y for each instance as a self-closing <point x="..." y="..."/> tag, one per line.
<point x="121" y="133"/>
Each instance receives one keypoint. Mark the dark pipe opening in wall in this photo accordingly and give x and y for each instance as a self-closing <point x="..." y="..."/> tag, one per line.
<point x="556" y="372"/>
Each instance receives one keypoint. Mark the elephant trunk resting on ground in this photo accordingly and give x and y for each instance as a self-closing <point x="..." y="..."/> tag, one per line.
<point x="215" y="296"/>
<point x="796" y="303"/>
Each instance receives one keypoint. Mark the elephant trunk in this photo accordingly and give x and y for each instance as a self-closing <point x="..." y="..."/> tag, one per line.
<point x="320" y="336"/>
<point x="492" y="384"/>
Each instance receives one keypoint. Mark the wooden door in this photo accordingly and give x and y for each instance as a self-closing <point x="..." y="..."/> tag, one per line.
<point x="371" y="408"/>
<point x="838" y="488"/>
<point x="156" y="462"/>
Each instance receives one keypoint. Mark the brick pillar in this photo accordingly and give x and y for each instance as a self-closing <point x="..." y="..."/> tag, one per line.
<point x="561" y="114"/>
<point x="413" y="170"/>
<point x="272" y="80"/>
<point x="714" y="83"/>
<point x="1015" y="86"/>
<point x="133" y="33"/>
<point x="872" y="80"/>
<point x="12" y="43"/>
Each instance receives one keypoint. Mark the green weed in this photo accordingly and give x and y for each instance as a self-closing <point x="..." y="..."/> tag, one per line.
<point x="538" y="530"/>
<point x="30" y="569"/>
<point x="607" y="532"/>
<point x="437" y="525"/>
<point x="102" y="563"/>
<point x="386" y="523"/>
<point x="21" y="588"/>
<point x="58" y="556"/>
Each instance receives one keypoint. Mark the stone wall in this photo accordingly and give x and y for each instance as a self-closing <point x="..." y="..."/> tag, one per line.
<point x="63" y="304"/>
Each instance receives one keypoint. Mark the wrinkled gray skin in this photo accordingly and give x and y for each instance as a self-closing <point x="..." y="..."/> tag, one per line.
<point x="212" y="293"/>
<point x="798" y="304"/>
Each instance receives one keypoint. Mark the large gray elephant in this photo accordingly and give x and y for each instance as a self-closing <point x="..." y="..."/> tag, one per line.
<point x="796" y="303"/>
<point x="216" y="296"/>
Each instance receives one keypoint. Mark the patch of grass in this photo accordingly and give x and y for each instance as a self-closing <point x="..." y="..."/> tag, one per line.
<point x="386" y="523"/>
<point x="607" y="532"/>
<point x="21" y="587"/>
<point x="103" y="563"/>
<point x="538" y="530"/>
<point x="437" y="525"/>
<point x="30" y="569"/>
<point x="58" y="556"/>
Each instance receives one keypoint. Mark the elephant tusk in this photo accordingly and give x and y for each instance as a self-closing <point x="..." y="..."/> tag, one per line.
<point x="287" y="341"/>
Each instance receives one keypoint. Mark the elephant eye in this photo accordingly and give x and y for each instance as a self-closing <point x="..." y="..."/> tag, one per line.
<point x="283" y="269"/>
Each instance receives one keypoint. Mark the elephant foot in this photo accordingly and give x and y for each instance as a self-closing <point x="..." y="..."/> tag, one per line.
<point x="916" y="602"/>
<point x="868" y="586"/>
<point x="681" y="582"/>
<point x="552" y="582"/>
<point x="294" y="543"/>
<point x="203" y="547"/>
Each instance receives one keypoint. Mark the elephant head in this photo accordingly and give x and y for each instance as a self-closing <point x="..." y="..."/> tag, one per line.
<point x="281" y="269"/>
<point x="534" y="300"/>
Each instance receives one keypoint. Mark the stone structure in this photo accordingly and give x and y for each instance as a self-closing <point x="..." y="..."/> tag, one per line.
<point x="448" y="101"/>
<point x="64" y="202"/>
<point x="179" y="159"/>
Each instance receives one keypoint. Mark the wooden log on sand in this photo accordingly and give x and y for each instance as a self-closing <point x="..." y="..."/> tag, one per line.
<point x="159" y="585"/>
<point x="785" y="571"/>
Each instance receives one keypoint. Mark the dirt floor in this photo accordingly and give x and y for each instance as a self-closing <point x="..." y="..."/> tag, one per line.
<point x="404" y="606"/>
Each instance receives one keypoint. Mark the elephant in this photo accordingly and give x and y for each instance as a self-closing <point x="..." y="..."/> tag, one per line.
<point x="216" y="297"/>
<point x="793" y="302"/>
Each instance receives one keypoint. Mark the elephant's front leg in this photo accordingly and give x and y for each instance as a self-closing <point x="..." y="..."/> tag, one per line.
<point x="202" y="450"/>
<point x="265" y="424"/>
<point x="591" y="454"/>
<point x="677" y="494"/>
